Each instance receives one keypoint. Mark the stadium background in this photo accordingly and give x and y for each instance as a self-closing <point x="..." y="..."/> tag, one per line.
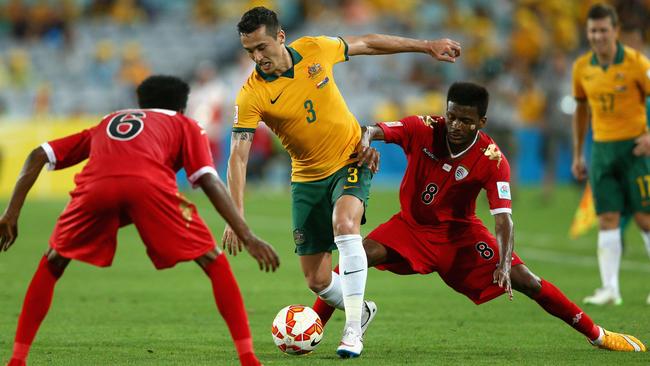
<point x="64" y="64"/>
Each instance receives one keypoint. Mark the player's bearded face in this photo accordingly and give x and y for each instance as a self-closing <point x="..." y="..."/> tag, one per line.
<point x="263" y="49"/>
<point x="463" y="123"/>
<point x="601" y="34"/>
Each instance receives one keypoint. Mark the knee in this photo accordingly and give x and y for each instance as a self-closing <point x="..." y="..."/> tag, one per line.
<point x="642" y="219"/>
<point x="609" y="220"/>
<point x="345" y="226"/>
<point x="318" y="283"/>
<point x="56" y="262"/>
<point x="527" y="283"/>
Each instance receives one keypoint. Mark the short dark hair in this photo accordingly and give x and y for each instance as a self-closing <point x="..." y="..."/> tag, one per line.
<point x="163" y="91"/>
<point x="469" y="94"/>
<point x="253" y="19"/>
<point x="600" y="11"/>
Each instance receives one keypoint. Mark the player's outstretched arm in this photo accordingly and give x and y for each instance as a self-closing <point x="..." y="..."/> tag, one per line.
<point x="217" y="192"/>
<point x="580" y="124"/>
<point x="28" y="175"/>
<point x="381" y="44"/>
<point x="504" y="229"/>
<point x="240" y="145"/>
<point x="367" y="154"/>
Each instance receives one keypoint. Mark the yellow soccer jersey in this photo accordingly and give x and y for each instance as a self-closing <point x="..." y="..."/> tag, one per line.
<point x="304" y="108"/>
<point x="616" y="94"/>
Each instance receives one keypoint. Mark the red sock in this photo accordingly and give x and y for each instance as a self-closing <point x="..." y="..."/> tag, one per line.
<point x="321" y="308"/>
<point x="555" y="303"/>
<point x="231" y="306"/>
<point x="37" y="302"/>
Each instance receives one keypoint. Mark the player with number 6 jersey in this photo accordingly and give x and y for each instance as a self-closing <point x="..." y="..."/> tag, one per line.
<point x="449" y="161"/>
<point x="133" y="156"/>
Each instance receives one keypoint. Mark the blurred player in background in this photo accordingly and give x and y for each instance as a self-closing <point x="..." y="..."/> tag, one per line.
<point x="611" y="83"/>
<point x="449" y="162"/>
<point x="293" y="91"/>
<point x="133" y="157"/>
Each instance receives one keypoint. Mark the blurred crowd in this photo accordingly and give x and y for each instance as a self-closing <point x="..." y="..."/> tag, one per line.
<point x="71" y="57"/>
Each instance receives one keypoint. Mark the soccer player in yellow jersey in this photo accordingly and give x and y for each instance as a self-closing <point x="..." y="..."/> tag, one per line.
<point x="611" y="83"/>
<point x="293" y="91"/>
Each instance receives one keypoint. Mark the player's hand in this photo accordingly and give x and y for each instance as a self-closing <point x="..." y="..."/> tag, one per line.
<point x="642" y="147"/>
<point x="369" y="156"/>
<point x="263" y="253"/>
<point x="230" y="242"/>
<point x="501" y="277"/>
<point x="579" y="168"/>
<point x="8" y="231"/>
<point x="443" y="49"/>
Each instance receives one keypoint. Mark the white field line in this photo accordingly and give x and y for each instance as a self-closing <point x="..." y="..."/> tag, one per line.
<point x="556" y="257"/>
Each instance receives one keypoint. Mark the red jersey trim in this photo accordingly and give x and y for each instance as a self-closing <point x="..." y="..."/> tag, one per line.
<point x="50" y="155"/>
<point x="197" y="174"/>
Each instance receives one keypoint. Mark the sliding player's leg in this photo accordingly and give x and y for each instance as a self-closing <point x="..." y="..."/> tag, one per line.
<point x="551" y="299"/>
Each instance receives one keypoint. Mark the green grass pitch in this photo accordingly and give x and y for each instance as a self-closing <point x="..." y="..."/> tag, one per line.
<point x="130" y="314"/>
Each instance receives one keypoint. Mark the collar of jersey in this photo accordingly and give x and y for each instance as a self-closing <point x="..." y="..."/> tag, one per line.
<point x="295" y="58"/>
<point x="454" y="156"/>
<point x="620" y="53"/>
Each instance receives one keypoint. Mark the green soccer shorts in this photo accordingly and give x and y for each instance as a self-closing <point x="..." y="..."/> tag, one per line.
<point x="620" y="180"/>
<point x="312" y="205"/>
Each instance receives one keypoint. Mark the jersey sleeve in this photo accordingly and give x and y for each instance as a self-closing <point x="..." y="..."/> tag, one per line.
<point x="400" y="132"/>
<point x="197" y="159"/>
<point x="578" y="90"/>
<point x="68" y="151"/>
<point x="644" y="78"/>
<point x="497" y="184"/>
<point x="247" y="112"/>
<point x="334" y="49"/>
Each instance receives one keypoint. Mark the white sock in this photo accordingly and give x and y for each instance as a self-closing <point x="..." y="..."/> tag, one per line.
<point x="609" y="258"/>
<point x="353" y="269"/>
<point x="646" y="240"/>
<point x="332" y="294"/>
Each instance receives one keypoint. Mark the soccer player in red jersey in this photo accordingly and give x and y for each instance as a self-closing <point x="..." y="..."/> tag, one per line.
<point x="133" y="157"/>
<point x="449" y="162"/>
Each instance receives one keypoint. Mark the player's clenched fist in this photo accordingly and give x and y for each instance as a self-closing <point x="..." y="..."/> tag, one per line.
<point x="444" y="49"/>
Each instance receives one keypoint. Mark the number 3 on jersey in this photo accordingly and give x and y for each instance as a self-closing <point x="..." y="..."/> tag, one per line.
<point x="125" y="126"/>
<point x="311" y="113"/>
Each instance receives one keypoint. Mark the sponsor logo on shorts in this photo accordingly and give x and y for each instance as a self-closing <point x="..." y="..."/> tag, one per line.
<point x="504" y="190"/>
<point x="299" y="237"/>
<point x="461" y="172"/>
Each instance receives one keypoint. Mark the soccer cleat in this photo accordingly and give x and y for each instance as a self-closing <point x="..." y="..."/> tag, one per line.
<point x="368" y="314"/>
<point x="603" y="296"/>
<point x="619" y="342"/>
<point x="351" y="344"/>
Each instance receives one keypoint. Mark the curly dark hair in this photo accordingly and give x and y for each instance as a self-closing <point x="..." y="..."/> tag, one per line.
<point x="469" y="94"/>
<point x="253" y="19"/>
<point x="163" y="91"/>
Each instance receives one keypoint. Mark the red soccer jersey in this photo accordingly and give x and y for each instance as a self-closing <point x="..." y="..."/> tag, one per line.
<point x="438" y="192"/>
<point x="149" y="143"/>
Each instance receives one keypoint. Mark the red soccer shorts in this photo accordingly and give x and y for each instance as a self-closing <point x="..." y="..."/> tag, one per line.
<point x="168" y="224"/>
<point x="467" y="264"/>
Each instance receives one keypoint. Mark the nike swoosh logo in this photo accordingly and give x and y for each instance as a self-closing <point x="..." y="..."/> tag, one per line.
<point x="348" y="187"/>
<point x="351" y="272"/>
<point x="276" y="98"/>
<point x="315" y="343"/>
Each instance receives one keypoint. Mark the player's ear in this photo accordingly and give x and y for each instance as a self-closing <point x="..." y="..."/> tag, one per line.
<point x="281" y="37"/>
<point x="482" y="122"/>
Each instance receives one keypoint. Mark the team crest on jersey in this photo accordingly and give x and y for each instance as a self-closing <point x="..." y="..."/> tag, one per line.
<point x="461" y="172"/>
<point x="620" y="76"/>
<point x="493" y="153"/>
<point x="314" y="70"/>
<point x="429" y="121"/>
<point x="503" y="189"/>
